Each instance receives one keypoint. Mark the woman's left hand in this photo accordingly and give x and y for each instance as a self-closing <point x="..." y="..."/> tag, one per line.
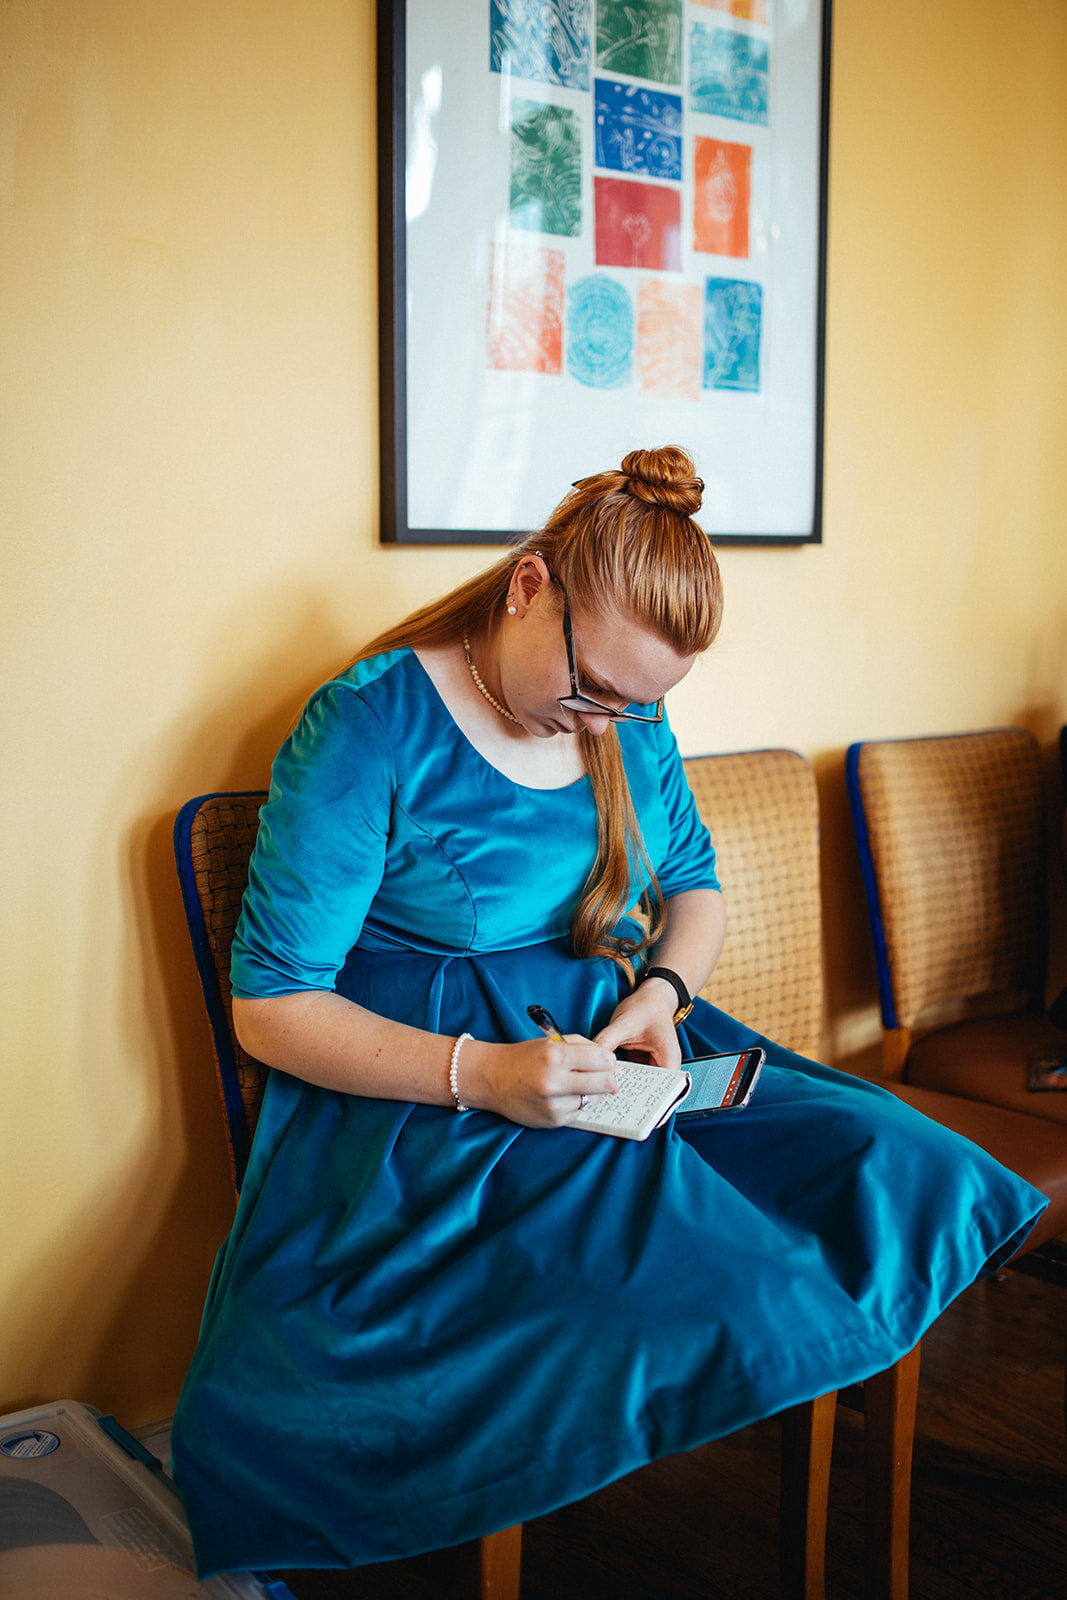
<point x="643" y="1024"/>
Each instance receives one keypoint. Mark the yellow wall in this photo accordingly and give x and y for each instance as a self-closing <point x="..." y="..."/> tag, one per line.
<point x="190" y="540"/>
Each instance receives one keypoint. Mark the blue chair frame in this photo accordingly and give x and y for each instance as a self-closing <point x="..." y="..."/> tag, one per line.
<point x="239" y="1129"/>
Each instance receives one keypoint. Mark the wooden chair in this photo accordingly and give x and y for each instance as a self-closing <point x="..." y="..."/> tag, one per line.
<point x="213" y="842"/>
<point x="951" y="836"/>
<point x="951" y="833"/>
<point x="762" y="810"/>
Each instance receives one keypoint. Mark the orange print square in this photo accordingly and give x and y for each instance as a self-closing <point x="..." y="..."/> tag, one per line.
<point x="722" y="182"/>
<point x="745" y="10"/>
<point x="525" y="322"/>
<point x="670" y="341"/>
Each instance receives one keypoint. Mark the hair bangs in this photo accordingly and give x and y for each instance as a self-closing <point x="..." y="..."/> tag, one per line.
<point x="645" y="562"/>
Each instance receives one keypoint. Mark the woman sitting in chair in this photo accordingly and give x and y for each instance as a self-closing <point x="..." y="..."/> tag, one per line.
<point x="442" y="1309"/>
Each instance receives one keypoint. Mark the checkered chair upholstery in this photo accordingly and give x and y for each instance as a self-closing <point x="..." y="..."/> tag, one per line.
<point x="762" y="809"/>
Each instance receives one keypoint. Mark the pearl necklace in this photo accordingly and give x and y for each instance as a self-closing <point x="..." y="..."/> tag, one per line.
<point x="476" y="675"/>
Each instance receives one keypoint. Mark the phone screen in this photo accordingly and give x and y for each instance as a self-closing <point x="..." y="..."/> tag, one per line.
<point x="721" y="1082"/>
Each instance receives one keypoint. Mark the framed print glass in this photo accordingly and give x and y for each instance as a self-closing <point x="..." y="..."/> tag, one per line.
<point x="602" y="227"/>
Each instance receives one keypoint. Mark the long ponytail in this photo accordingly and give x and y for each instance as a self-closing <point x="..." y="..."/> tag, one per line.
<point x="622" y="540"/>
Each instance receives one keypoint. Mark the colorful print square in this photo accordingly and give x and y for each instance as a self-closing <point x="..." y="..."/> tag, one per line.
<point x="733" y="318"/>
<point x="546" y="41"/>
<point x="637" y="225"/>
<point x="729" y="74"/>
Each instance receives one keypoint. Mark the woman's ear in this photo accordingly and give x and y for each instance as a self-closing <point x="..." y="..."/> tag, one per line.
<point x="531" y="576"/>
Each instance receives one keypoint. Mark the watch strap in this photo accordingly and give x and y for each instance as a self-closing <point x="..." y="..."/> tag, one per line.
<point x="685" y="1004"/>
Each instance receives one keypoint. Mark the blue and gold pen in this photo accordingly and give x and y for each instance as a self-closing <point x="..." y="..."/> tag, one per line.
<point x="546" y="1022"/>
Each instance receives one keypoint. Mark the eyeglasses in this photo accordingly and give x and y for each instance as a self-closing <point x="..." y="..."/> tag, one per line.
<point x="576" y="700"/>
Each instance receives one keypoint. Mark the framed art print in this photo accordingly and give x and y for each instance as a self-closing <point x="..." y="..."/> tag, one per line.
<point x="602" y="228"/>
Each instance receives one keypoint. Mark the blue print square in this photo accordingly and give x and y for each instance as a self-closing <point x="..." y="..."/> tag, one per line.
<point x="638" y="130"/>
<point x="600" y="333"/>
<point x="729" y="74"/>
<point x="733" y="320"/>
<point x="545" y="40"/>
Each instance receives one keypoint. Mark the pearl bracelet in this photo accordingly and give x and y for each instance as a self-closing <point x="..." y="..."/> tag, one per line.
<point x="453" y="1070"/>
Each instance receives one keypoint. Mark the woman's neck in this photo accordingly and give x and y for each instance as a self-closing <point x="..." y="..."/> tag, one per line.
<point x="537" y="763"/>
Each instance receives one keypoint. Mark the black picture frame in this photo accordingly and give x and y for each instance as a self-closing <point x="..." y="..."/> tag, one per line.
<point x="401" y="459"/>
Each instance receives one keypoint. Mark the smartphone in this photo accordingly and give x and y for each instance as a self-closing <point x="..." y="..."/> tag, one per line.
<point x="721" y="1083"/>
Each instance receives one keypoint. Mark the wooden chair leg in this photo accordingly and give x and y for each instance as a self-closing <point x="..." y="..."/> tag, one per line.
<point x="889" y="1412"/>
<point x="807" y="1442"/>
<point x="501" y="1557"/>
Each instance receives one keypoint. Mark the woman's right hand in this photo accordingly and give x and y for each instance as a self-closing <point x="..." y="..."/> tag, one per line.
<point x="537" y="1083"/>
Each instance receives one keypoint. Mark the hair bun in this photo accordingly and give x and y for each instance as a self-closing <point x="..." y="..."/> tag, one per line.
<point x="664" y="477"/>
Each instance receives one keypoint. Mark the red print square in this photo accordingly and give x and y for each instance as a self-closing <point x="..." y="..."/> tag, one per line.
<point x="638" y="225"/>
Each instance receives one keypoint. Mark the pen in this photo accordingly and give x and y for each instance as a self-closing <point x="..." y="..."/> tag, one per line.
<point x="551" y="1028"/>
<point x="546" y="1022"/>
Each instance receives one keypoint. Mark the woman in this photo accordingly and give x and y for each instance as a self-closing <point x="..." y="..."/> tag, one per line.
<point x="441" y="1310"/>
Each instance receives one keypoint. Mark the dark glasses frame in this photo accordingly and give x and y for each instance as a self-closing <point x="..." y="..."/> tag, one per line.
<point x="576" y="700"/>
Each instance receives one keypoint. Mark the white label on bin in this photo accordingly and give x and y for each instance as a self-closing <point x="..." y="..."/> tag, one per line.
<point x="138" y="1536"/>
<point x="23" y="1446"/>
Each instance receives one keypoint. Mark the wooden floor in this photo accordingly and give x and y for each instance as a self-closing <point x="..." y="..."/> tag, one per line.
<point x="989" y="1495"/>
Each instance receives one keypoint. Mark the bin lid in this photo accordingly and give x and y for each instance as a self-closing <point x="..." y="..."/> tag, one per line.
<point x="88" y="1514"/>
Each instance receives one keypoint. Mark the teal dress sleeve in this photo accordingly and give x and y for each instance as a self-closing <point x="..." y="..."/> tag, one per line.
<point x="320" y="852"/>
<point x="678" y="843"/>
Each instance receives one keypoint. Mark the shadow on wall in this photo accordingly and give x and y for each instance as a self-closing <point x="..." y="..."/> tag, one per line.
<point x="140" y="1254"/>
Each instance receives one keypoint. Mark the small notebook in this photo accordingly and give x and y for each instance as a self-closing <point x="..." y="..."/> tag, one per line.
<point x="647" y="1096"/>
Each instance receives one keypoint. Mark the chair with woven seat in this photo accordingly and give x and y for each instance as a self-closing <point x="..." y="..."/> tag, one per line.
<point x="951" y="832"/>
<point x="762" y="810"/>
<point x="214" y="836"/>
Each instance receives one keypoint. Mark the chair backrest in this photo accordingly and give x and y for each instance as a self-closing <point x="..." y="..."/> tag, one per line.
<point x="213" y="839"/>
<point x="762" y="809"/>
<point x="951" y="836"/>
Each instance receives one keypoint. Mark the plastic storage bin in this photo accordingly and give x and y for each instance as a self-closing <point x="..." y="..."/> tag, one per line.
<point x="86" y="1513"/>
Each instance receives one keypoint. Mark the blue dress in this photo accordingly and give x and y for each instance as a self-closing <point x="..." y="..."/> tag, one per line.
<point x="425" y="1326"/>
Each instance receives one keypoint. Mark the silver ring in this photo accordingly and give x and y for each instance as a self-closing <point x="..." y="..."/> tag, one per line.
<point x="583" y="1101"/>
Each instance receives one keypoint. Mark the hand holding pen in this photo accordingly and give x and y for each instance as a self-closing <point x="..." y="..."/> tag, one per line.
<point x="538" y="1083"/>
<point x="546" y="1022"/>
<point x="552" y="1030"/>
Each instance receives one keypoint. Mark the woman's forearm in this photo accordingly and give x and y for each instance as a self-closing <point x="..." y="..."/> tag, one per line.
<point x="693" y="938"/>
<point x="329" y="1041"/>
<point x="643" y="1021"/>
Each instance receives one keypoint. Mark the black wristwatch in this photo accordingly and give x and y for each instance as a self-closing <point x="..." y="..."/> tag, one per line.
<point x="685" y="1005"/>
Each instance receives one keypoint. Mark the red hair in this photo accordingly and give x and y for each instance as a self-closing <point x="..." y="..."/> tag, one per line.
<point x="621" y="541"/>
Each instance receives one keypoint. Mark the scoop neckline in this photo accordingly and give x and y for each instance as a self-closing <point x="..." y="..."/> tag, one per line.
<point x="531" y="788"/>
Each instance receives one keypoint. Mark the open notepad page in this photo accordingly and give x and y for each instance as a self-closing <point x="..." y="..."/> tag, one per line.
<point x="647" y="1096"/>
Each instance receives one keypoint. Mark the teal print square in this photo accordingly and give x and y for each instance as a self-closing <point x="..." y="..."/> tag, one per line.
<point x="600" y="333"/>
<point x="733" y="323"/>
<point x="729" y="75"/>
<point x="546" y="169"/>
<point x="546" y="41"/>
